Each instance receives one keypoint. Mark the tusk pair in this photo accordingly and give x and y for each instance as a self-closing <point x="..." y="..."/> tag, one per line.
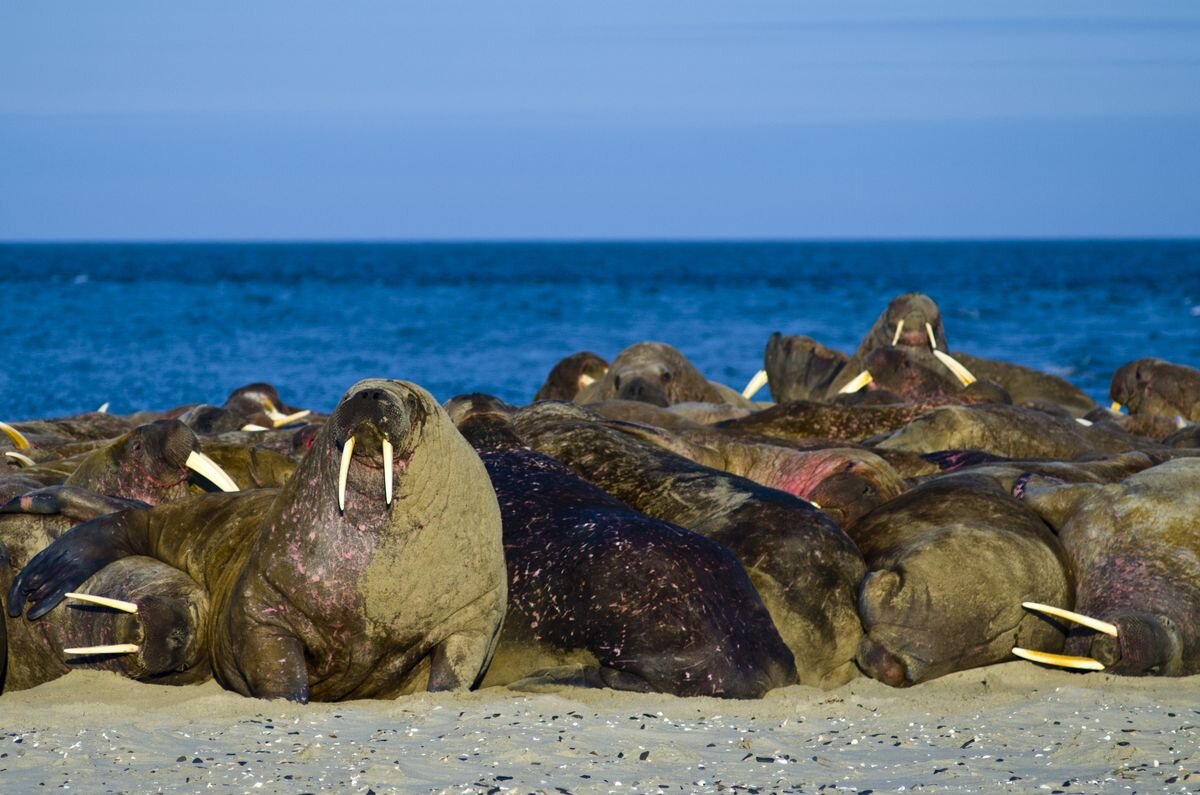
<point x="756" y="383"/>
<point x="896" y="336"/>
<point x="1063" y="660"/>
<point x="23" y="459"/>
<point x="344" y="470"/>
<point x="205" y="466"/>
<point x="953" y="365"/>
<point x="280" y="419"/>
<point x="18" y="439"/>
<point x="116" y="604"/>
<point x="860" y="380"/>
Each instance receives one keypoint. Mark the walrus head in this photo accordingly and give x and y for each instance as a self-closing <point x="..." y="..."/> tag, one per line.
<point x="650" y="372"/>
<point x="910" y="320"/>
<point x="485" y="421"/>
<point x="571" y="375"/>
<point x="1154" y="386"/>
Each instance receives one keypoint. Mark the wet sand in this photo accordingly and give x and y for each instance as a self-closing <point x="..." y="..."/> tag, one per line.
<point x="1013" y="727"/>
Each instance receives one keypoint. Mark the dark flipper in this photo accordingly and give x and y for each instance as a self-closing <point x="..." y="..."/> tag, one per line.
<point x="73" y="502"/>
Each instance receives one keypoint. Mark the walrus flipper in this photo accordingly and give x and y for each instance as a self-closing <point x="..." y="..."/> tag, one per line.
<point x="75" y="503"/>
<point x="64" y="565"/>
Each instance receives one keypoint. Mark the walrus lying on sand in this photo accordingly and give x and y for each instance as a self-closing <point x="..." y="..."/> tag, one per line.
<point x="378" y="569"/>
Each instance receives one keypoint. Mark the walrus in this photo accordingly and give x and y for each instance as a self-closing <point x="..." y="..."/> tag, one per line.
<point x="378" y="569"/>
<point x="1136" y="555"/>
<point x="646" y="604"/>
<point x="1027" y="386"/>
<point x="1009" y="431"/>
<point x="253" y="406"/>
<point x="951" y="561"/>
<point x="800" y="368"/>
<point x="803" y="565"/>
<point x="654" y="372"/>
<point x="567" y="378"/>
<point x="801" y="419"/>
<point x="30" y="435"/>
<point x="1154" y="386"/>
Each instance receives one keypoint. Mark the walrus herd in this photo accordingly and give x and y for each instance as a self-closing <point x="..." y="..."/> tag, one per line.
<point x="900" y="512"/>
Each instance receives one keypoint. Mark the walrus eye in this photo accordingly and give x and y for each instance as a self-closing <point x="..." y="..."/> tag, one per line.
<point x="666" y="377"/>
<point x="137" y="447"/>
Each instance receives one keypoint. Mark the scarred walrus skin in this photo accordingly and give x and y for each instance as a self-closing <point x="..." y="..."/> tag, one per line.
<point x="1154" y="386"/>
<point x="333" y="587"/>
<point x="805" y="568"/>
<point x="654" y="372"/>
<point x="643" y="604"/>
<point x="951" y="561"/>
<point x="1135" y="549"/>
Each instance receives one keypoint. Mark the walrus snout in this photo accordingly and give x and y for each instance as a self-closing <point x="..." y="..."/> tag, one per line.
<point x="879" y="663"/>
<point x="1145" y="645"/>
<point x="644" y="390"/>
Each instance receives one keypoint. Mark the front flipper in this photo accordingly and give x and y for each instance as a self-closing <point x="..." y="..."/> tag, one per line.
<point x="274" y="666"/>
<point x="458" y="661"/>
<point x="75" y="503"/>
<point x="61" y="567"/>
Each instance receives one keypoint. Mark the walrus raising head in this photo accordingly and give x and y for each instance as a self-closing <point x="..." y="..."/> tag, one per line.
<point x="656" y="373"/>
<point x="1153" y="386"/>
<point x="911" y="320"/>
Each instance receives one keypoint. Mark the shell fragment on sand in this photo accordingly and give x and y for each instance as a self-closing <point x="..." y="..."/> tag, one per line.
<point x="1073" y="617"/>
<point x="860" y="381"/>
<point x="1059" y="660"/>
<point x="343" y="471"/>
<point x="756" y="383"/>
<point x="205" y="466"/>
<point x="118" y="648"/>
<point x="18" y="439"/>
<point x="104" y="601"/>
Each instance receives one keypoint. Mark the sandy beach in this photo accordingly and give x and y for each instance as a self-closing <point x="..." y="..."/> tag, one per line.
<point x="1011" y="727"/>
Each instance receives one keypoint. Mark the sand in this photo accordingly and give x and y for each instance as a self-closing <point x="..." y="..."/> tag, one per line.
<point x="1007" y="728"/>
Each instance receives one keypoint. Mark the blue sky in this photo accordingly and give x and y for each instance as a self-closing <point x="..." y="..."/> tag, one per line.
<point x="472" y="120"/>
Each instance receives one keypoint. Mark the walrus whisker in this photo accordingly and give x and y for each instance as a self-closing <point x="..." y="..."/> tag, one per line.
<point x="347" y="452"/>
<point x="899" y="330"/>
<point x="860" y="381"/>
<point x="387" y="470"/>
<point x="756" y="383"/>
<point x="1072" y="616"/>
<point x="250" y="426"/>
<point x="932" y="339"/>
<point x="205" y="466"/>
<point x="103" y="408"/>
<point x="953" y="365"/>
<point x="280" y="419"/>
<point x="1059" y="660"/>
<point x="18" y="438"/>
<point x="118" y="648"/>
<point x="104" y="601"/>
<point x="24" y="460"/>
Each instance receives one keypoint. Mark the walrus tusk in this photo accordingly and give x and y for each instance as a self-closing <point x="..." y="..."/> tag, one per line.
<point x="25" y="460"/>
<point x="387" y="470"/>
<point x="281" y="419"/>
<point x="347" y="452"/>
<point x="250" y="426"/>
<point x="203" y="465"/>
<point x="756" y="383"/>
<point x="1115" y="408"/>
<point x="586" y="380"/>
<point x="120" y="648"/>
<point x="104" y="601"/>
<point x="899" y="329"/>
<point x="1084" y="422"/>
<point x="932" y="339"/>
<point x="18" y="438"/>
<point x="103" y="408"/>
<point x="860" y="380"/>
<point x="953" y="365"/>
<point x="1072" y="616"/>
<point x="1060" y="660"/>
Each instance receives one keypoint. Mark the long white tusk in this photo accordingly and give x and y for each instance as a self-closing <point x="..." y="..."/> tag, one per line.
<point x="103" y="408"/>
<point x="899" y="328"/>
<point x="932" y="339"/>
<point x="347" y="452"/>
<point x="250" y="426"/>
<point x="18" y="439"/>
<point x="1115" y="408"/>
<point x="1060" y="660"/>
<point x="860" y="380"/>
<point x="1072" y="616"/>
<point x="756" y="383"/>
<point x="387" y="470"/>
<point x="287" y="419"/>
<point x="955" y="366"/>
<point x="104" y="601"/>
<point x="1084" y="422"/>
<point x="25" y="460"/>
<point x="586" y="380"/>
<point x="120" y="648"/>
<point x="203" y="465"/>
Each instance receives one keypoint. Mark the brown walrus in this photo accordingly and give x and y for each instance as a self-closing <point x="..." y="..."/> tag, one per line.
<point x="654" y="372"/>
<point x="378" y="569"/>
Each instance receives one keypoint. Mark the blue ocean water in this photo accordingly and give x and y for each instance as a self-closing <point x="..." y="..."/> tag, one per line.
<point x="157" y="325"/>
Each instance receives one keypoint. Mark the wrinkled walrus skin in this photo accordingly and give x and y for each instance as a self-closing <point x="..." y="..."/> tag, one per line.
<point x="1135" y="549"/>
<point x="642" y="604"/>
<point x="805" y="568"/>
<point x="654" y="372"/>
<point x="310" y="601"/>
